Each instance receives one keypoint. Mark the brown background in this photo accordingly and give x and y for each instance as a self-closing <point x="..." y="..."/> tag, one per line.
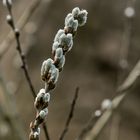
<point x="93" y="65"/>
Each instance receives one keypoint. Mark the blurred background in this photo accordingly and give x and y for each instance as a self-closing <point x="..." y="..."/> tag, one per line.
<point x="105" y="51"/>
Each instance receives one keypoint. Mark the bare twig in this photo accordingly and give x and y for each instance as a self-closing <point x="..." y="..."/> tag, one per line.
<point x="5" y="45"/>
<point x="46" y="131"/>
<point x="127" y="84"/>
<point x="70" y="116"/>
<point x="126" y="39"/>
<point x="95" y="116"/>
<point x="10" y="21"/>
<point x="115" y="127"/>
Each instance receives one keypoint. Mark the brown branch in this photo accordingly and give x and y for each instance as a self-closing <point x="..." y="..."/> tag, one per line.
<point x="5" y="45"/>
<point x="10" y="21"/>
<point x="46" y="131"/>
<point x="95" y="116"/>
<point x="127" y="84"/>
<point x="70" y="116"/>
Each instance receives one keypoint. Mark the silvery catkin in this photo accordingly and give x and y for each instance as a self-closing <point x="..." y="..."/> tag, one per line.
<point x="50" y="69"/>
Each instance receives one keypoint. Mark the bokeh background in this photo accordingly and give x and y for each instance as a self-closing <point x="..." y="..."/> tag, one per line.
<point x="105" y="51"/>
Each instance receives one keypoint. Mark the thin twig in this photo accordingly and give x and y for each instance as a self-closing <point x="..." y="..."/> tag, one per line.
<point x="70" y="116"/>
<point x="46" y="131"/>
<point x="95" y="116"/>
<point x="5" y="45"/>
<point x="127" y="84"/>
<point x="125" y="45"/>
<point x="22" y="56"/>
<point x="10" y="21"/>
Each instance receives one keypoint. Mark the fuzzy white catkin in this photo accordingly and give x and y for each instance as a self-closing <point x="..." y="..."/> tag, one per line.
<point x="59" y="58"/>
<point x="58" y="53"/>
<point x="5" y="2"/>
<point x="76" y="12"/>
<point x="66" y="41"/>
<point x="54" y="72"/>
<point x="42" y="94"/>
<point x="38" y="130"/>
<point x="42" y="90"/>
<point x="43" y="113"/>
<point x="36" y="134"/>
<point x="68" y="17"/>
<point x="46" y="65"/>
<point x="58" y="34"/>
<point x="50" y="68"/>
<point x="61" y="62"/>
<point x="55" y="46"/>
<point x="82" y="17"/>
<point x="47" y="97"/>
<point x="70" y="22"/>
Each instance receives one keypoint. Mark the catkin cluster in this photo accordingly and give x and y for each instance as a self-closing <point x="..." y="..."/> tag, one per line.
<point x="50" y="69"/>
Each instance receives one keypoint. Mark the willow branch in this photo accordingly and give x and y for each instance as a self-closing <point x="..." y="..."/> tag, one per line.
<point x="70" y="116"/>
<point x="51" y="67"/>
<point x="122" y="91"/>
<point x="10" y="21"/>
<point x="95" y="116"/>
<point x="5" y="45"/>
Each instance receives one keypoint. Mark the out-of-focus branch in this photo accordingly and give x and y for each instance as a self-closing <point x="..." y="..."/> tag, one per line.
<point x="11" y="22"/>
<point x="95" y="116"/>
<point x="126" y="40"/>
<point x="70" y="116"/>
<point x="5" y="45"/>
<point x="122" y="91"/>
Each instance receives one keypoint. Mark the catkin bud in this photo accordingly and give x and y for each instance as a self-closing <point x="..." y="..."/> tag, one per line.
<point x="34" y="136"/>
<point x="7" y="2"/>
<point x="40" y="118"/>
<point x="59" y="33"/>
<point x="82" y="18"/>
<point x="54" y="47"/>
<point x="66" y="41"/>
<point x="46" y="65"/>
<point x="58" y="53"/>
<point x="75" y="12"/>
<point x="61" y="63"/>
<point x="43" y="113"/>
<point x="42" y="99"/>
<point x="59" y="59"/>
<point x="47" y="97"/>
<point x="71" y="23"/>
<point x="54" y="74"/>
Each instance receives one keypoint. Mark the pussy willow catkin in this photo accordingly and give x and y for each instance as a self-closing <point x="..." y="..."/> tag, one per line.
<point x="51" y="67"/>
